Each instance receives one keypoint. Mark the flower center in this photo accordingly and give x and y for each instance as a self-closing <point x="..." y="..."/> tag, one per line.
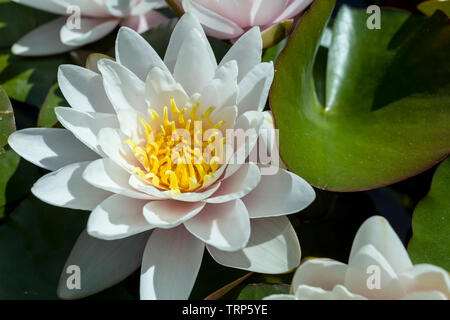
<point x="168" y="160"/>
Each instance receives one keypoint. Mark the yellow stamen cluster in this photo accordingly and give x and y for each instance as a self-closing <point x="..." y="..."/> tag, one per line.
<point x="169" y="160"/>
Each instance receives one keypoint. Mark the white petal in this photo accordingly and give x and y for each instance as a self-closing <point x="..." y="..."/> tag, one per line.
<point x="215" y="25"/>
<point x="67" y="188"/>
<point x="170" y="264"/>
<point x="117" y="217"/>
<point x="92" y="8"/>
<point x="83" y="89"/>
<point x="120" y="8"/>
<point x="322" y="273"/>
<point x="197" y="196"/>
<point x="246" y="51"/>
<point x="367" y="265"/>
<point x="102" y="263"/>
<point x="50" y="148"/>
<point x="389" y="245"/>
<point x="170" y="213"/>
<point x="273" y="248"/>
<point x="425" y="295"/>
<point x="279" y="194"/>
<point x="426" y="277"/>
<point x="143" y="22"/>
<point x="280" y="297"/>
<point x="130" y="125"/>
<point x="46" y="5"/>
<point x="107" y="175"/>
<point x="185" y="25"/>
<point x="225" y="226"/>
<point x="91" y="30"/>
<point x="42" y="41"/>
<point x="294" y="8"/>
<point x="238" y="185"/>
<point x="124" y="89"/>
<point x="254" y="88"/>
<point x="86" y="126"/>
<point x="143" y="186"/>
<point x="136" y="54"/>
<point x="193" y="69"/>
<point x="339" y="292"/>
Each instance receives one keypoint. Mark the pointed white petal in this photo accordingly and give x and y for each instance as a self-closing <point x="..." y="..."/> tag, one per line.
<point x="339" y="292"/>
<point x="45" y="5"/>
<point x="280" y="297"/>
<point x="426" y="277"/>
<point x="425" y="295"/>
<point x="170" y="213"/>
<point x="322" y="273"/>
<point x="91" y="30"/>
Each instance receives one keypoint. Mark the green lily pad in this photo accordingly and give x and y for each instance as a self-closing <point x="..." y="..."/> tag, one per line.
<point x="259" y="291"/>
<point x="47" y="117"/>
<point x="385" y="114"/>
<point x="7" y="122"/>
<point x="431" y="222"/>
<point x="430" y="7"/>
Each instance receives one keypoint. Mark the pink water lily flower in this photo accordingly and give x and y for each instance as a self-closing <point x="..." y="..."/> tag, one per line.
<point x="96" y="19"/>
<point x="229" y="19"/>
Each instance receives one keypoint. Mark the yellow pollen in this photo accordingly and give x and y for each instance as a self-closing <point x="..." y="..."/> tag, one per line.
<point x="167" y="160"/>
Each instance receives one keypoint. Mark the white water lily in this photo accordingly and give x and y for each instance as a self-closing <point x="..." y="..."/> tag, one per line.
<point x="144" y="208"/>
<point x="97" y="19"/>
<point x="379" y="268"/>
<point x="229" y="19"/>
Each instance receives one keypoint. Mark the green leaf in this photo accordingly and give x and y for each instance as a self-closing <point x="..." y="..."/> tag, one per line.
<point x="260" y="291"/>
<point x="276" y="33"/>
<point x="386" y="115"/>
<point x="47" y="117"/>
<point x="7" y="122"/>
<point x="9" y="161"/>
<point x="431" y="222"/>
<point x="430" y="7"/>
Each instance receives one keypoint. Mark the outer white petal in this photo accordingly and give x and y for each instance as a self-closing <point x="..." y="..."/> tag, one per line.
<point x="46" y="5"/>
<point x="273" y="248"/>
<point x="215" y="25"/>
<point x="124" y="89"/>
<point x="238" y="185"/>
<point x="67" y="188"/>
<point x="294" y="8"/>
<point x="425" y="295"/>
<point x="117" y="217"/>
<point x="193" y="69"/>
<point x="83" y="89"/>
<point x="170" y="264"/>
<point x="145" y="6"/>
<point x="246" y="51"/>
<point x="143" y="22"/>
<point x="120" y="8"/>
<point x="102" y="263"/>
<point x="42" y="41"/>
<point x="136" y="54"/>
<point x="90" y="8"/>
<point x="254" y="88"/>
<point x="339" y="292"/>
<point x="225" y="226"/>
<point x="322" y="273"/>
<point x="107" y="175"/>
<point x="279" y="194"/>
<point x="185" y="25"/>
<point x="426" y="277"/>
<point x="359" y="275"/>
<point x="86" y="126"/>
<point x="280" y="297"/>
<point x="50" y="148"/>
<point x="91" y="30"/>
<point x="378" y="232"/>
<point x="170" y="213"/>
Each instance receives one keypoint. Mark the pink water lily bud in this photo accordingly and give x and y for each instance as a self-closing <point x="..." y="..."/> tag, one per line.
<point x="229" y="19"/>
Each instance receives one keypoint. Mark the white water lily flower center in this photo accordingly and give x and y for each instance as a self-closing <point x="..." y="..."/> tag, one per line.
<point x="176" y="155"/>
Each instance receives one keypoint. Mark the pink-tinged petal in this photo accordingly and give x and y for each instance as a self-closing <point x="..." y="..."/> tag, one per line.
<point x="322" y="273"/>
<point x="273" y="248"/>
<point x="52" y="6"/>
<point x="170" y="265"/>
<point x="117" y="217"/>
<point x="426" y="277"/>
<point x="107" y="175"/>
<point x="225" y="226"/>
<point x="339" y="292"/>
<point x="238" y="185"/>
<point x="120" y="8"/>
<point x="294" y="8"/>
<point x="215" y="25"/>
<point x="67" y="188"/>
<point x="254" y="88"/>
<point x="103" y="263"/>
<point x="145" y="6"/>
<point x="50" y="148"/>
<point x="364" y="268"/>
<point x="42" y="41"/>
<point x="170" y="213"/>
<point x="279" y="194"/>
<point x="86" y="126"/>
<point x="246" y="51"/>
<point x="83" y="89"/>
<point x="91" y="30"/>
<point x="185" y="25"/>
<point x="265" y="12"/>
<point x="136" y="54"/>
<point x="90" y="8"/>
<point x="389" y="245"/>
<point x="144" y="22"/>
<point x="124" y="89"/>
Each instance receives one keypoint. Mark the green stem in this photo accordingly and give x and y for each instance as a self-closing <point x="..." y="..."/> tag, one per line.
<point x="178" y="11"/>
